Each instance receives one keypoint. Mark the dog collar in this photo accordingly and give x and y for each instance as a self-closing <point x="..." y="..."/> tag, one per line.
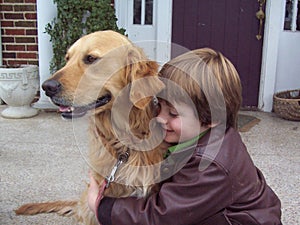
<point x="122" y="158"/>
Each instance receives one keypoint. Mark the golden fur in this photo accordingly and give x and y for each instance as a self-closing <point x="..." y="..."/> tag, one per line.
<point x="107" y="63"/>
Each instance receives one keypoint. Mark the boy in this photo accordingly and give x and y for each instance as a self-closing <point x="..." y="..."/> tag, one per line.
<point x="210" y="178"/>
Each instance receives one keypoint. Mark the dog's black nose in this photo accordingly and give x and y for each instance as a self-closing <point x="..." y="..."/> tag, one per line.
<point x="51" y="87"/>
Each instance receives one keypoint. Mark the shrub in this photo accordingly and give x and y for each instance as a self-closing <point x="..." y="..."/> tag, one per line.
<point x="76" y="18"/>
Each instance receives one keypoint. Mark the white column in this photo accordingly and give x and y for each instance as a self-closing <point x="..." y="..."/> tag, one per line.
<point x="46" y="11"/>
<point x="164" y="31"/>
<point x="273" y="26"/>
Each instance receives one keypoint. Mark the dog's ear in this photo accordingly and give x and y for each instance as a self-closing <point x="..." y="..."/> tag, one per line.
<point x="144" y="89"/>
<point x="143" y="76"/>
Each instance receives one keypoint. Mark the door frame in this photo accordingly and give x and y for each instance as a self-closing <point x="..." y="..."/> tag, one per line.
<point x="270" y="53"/>
<point x="269" y="50"/>
<point x="163" y="26"/>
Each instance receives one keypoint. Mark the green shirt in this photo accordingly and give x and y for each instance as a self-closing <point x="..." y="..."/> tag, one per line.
<point x="185" y="144"/>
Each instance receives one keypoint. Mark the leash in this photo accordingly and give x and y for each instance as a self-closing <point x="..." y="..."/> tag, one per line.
<point x="122" y="158"/>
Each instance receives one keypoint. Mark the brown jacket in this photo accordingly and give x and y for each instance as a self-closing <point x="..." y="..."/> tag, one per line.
<point x="215" y="183"/>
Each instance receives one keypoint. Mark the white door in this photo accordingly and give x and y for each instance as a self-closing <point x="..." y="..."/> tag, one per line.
<point x="148" y="25"/>
<point x="141" y="26"/>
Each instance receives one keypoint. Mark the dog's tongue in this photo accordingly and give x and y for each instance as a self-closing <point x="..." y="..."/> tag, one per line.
<point x="70" y="112"/>
<point x="65" y="109"/>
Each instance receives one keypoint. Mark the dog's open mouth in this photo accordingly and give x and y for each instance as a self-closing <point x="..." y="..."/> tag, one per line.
<point x="69" y="112"/>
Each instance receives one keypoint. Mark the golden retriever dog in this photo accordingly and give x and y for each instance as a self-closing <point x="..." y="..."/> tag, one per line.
<point x="111" y="79"/>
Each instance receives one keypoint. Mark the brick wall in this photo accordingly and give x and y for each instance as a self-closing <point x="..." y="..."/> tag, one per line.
<point x="19" y="32"/>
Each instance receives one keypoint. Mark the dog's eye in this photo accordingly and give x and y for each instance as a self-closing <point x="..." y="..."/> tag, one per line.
<point x="89" y="59"/>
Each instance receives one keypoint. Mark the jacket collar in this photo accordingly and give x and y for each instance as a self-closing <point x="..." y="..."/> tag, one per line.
<point x="185" y="144"/>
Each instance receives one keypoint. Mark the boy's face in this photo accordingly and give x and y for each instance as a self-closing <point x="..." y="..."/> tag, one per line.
<point x="179" y="122"/>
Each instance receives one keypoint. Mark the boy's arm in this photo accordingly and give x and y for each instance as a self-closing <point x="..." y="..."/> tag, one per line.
<point x="189" y="196"/>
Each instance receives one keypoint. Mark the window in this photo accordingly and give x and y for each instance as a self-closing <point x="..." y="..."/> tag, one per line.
<point x="292" y="15"/>
<point x="143" y="12"/>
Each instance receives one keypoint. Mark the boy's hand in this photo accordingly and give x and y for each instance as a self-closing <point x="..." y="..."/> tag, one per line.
<point x="95" y="193"/>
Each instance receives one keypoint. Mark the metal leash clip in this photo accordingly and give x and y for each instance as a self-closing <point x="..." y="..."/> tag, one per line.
<point x="123" y="158"/>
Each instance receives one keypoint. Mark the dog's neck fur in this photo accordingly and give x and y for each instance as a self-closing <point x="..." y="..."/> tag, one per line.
<point x="138" y="126"/>
<point x="105" y="145"/>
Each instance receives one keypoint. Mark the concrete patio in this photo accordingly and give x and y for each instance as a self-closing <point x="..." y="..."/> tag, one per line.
<point x="43" y="158"/>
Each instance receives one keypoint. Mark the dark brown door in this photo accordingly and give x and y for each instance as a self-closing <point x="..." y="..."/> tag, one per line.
<point x="229" y="26"/>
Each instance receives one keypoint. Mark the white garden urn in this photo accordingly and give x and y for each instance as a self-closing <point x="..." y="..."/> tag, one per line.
<point x="18" y="87"/>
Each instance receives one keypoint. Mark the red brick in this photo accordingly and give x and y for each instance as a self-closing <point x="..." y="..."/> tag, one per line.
<point x="15" y="47"/>
<point x="25" y="24"/>
<point x="6" y="8"/>
<point x="30" y="1"/>
<point x="13" y="1"/>
<point x="9" y="55"/>
<point x="26" y="55"/>
<point x="4" y="62"/>
<point x="22" y="8"/>
<point x="13" y="16"/>
<point x="31" y="16"/>
<point x="15" y="61"/>
<point x="19" y="31"/>
<point x="20" y="61"/>
<point x="25" y="40"/>
<point x="31" y="32"/>
<point x="14" y="31"/>
<point x="7" y="23"/>
<point x="8" y="39"/>
<point x="32" y="48"/>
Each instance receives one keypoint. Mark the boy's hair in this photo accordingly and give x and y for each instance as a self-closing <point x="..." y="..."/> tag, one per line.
<point x="208" y="79"/>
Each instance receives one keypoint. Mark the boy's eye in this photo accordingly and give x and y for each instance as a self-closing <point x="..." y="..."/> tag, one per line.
<point x="173" y="113"/>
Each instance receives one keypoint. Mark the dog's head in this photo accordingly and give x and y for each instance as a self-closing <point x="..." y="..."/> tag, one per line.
<point x="99" y="66"/>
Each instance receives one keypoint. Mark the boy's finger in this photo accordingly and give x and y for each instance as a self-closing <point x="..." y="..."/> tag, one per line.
<point x="93" y="181"/>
